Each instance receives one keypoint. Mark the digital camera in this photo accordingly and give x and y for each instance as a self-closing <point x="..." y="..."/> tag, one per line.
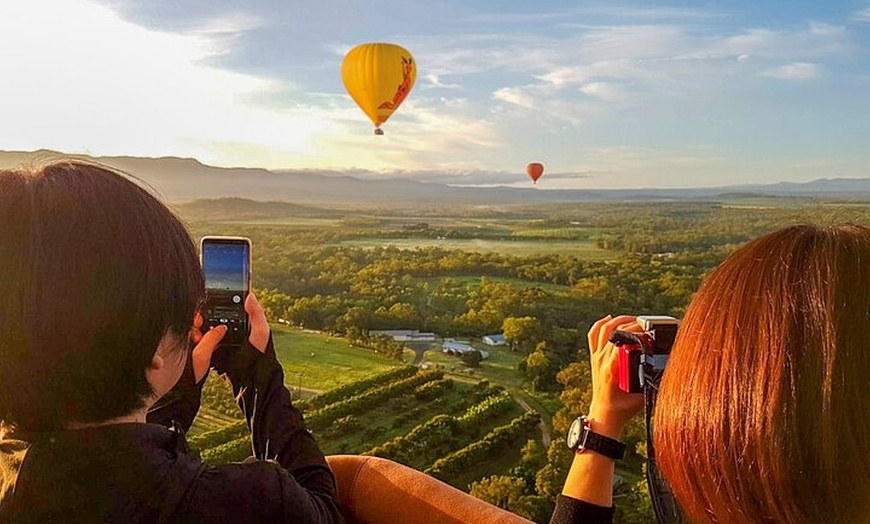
<point x="643" y="356"/>
<point x="642" y="360"/>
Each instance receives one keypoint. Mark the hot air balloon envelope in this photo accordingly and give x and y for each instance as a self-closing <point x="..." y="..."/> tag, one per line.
<point x="378" y="77"/>
<point x="535" y="170"/>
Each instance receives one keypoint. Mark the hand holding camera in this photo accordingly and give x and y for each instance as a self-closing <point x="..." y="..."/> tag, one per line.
<point x="611" y="408"/>
<point x="643" y="352"/>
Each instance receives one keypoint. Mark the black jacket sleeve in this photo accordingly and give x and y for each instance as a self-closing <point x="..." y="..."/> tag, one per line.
<point x="572" y="511"/>
<point x="179" y="406"/>
<point x="278" y="430"/>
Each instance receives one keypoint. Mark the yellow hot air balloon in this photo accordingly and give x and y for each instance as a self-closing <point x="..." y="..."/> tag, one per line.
<point x="378" y="78"/>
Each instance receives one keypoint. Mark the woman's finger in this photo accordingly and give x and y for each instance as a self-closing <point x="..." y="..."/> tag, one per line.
<point x="630" y="327"/>
<point x="592" y="336"/>
<point x="196" y="330"/>
<point x="204" y="349"/>
<point x="610" y="326"/>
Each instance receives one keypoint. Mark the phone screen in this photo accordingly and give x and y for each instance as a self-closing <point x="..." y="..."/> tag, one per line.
<point x="226" y="265"/>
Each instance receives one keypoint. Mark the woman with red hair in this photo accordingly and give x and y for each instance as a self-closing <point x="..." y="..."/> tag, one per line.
<point x="763" y="415"/>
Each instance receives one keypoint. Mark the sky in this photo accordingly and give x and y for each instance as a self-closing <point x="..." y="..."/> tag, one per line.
<point x="606" y="94"/>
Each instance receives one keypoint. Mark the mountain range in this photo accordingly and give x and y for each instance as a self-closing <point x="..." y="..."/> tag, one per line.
<point x="187" y="179"/>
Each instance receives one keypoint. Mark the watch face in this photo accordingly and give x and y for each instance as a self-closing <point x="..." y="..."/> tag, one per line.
<point x="574" y="433"/>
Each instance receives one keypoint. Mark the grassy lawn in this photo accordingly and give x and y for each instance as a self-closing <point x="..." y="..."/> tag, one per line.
<point x="499" y="368"/>
<point x="585" y="249"/>
<point x="322" y="362"/>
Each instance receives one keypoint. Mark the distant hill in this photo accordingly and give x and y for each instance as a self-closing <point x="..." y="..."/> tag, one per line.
<point x="242" y="209"/>
<point x="187" y="179"/>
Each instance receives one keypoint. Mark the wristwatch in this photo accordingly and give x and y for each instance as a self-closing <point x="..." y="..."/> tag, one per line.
<point x="582" y="438"/>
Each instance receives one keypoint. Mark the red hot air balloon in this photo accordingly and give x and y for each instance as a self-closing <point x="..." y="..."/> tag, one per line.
<point x="535" y="170"/>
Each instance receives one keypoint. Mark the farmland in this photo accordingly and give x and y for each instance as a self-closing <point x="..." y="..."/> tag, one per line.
<point x="542" y="275"/>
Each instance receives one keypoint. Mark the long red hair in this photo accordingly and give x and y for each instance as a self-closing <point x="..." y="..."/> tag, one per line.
<point x="764" y="411"/>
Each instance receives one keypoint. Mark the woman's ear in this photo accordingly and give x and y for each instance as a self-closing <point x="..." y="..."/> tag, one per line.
<point x="157" y="361"/>
<point x="166" y="366"/>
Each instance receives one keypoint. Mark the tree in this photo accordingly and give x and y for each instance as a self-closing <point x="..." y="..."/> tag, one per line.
<point x="274" y="303"/>
<point x="499" y="490"/>
<point x="532" y="460"/>
<point x="472" y="358"/>
<point x="532" y="454"/>
<point x="576" y="379"/>
<point x="385" y="345"/>
<point x="355" y="317"/>
<point x="522" y="333"/>
<point x="539" y="368"/>
<point x="551" y="477"/>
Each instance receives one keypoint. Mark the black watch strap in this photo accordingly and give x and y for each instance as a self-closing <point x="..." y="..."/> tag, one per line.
<point x="591" y="441"/>
<point x="606" y="446"/>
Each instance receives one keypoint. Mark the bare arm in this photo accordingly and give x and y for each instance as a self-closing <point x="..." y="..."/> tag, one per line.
<point x="590" y="478"/>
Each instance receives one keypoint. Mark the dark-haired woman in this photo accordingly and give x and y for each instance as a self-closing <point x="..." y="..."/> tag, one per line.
<point x="100" y="286"/>
<point x="764" y="411"/>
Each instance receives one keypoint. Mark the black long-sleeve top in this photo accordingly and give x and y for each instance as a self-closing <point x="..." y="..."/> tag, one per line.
<point x="572" y="511"/>
<point x="144" y="473"/>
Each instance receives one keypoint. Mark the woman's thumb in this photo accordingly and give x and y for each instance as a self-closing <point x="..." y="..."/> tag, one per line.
<point x="203" y="351"/>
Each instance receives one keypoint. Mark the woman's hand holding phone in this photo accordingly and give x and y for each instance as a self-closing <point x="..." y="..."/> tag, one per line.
<point x="208" y="342"/>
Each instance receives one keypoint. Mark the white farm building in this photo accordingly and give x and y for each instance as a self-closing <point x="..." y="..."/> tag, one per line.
<point x="453" y="347"/>
<point x="407" y="335"/>
<point x="494" y="340"/>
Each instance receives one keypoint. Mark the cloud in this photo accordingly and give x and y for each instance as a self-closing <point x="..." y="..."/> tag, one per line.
<point x="518" y="96"/>
<point x="435" y="81"/>
<point x="575" y="16"/>
<point x="603" y="91"/>
<point x="110" y="86"/>
<point x="862" y="15"/>
<point x="794" y="71"/>
<point x="231" y="23"/>
<point x="259" y="86"/>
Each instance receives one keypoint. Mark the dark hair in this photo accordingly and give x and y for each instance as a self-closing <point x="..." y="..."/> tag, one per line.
<point x="764" y="411"/>
<point x="95" y="272"/>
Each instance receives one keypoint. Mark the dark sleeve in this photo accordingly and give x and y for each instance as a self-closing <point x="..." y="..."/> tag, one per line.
<point x="179" y="406"/>
<point x="573" y="511"/>
<point x="256" y="492"/>
<point x="278" y="430"/>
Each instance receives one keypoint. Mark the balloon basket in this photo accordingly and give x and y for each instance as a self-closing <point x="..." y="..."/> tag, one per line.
<point x="379" y="131"/>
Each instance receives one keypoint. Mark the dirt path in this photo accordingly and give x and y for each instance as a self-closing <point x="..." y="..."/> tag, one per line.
<point x="546" y="433"/>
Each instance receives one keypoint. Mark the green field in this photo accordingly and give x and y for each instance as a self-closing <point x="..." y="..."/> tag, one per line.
<point x="321" y="362"/>
<point x="500" y="368"/>
<point x="580" y="248"/>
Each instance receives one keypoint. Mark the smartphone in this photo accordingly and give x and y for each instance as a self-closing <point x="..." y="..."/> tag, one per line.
<point x="226" y="264"/>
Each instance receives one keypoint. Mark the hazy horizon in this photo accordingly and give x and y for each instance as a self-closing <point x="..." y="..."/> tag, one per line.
<point x="457" y="180"/>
